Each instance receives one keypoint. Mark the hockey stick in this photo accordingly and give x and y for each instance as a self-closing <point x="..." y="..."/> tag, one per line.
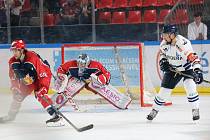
<point x="90" y="126"/>
<point x="187" y="75"/>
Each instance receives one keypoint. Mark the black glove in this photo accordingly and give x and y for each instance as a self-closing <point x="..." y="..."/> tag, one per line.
<point x="198" y="76"/>
<point x="164" y="65"/>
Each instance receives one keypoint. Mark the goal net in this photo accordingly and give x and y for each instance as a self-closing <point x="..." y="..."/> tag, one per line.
<point x="125" y="62"/>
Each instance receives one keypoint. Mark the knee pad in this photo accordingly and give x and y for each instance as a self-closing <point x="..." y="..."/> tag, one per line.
<point x="18" y="97"/>
<point x="162" y="96"/>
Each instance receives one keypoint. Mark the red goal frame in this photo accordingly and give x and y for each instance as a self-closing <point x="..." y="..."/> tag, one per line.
<point x="139" y="44"/>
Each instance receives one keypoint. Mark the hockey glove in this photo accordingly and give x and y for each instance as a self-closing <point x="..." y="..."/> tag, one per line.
<point x="198" y="76"/>
<point x="164" y="65"/>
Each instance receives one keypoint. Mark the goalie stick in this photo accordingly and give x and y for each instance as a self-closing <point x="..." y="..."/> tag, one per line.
<point x="90" y="126"/>
<point x="189" y="76"/>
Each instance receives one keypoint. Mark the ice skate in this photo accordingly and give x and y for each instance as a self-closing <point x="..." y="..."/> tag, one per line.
<point x="196" y="116"/>
<point x="55" y="121"/>
<point x="152" y="115"/>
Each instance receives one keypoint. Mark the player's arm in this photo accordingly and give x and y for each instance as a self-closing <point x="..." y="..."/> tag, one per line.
<point x="164" y="63"/>
<point x="43" y="76"/>
<point x="103" y="76"/>
<point x="189" y="55"/>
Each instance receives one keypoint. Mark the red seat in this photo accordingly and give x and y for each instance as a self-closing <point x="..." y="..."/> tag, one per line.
<point x="150" y="16"/>
<point x="104" y="17"/>
<point x="120" y="3"/>
<point x="180" y="1"/>
<point x="105" y="4"/>
<point x="165" y="2"/>
<point x="147" y="3"/>
<point x="163" y="14"/>
<point x="96" y="3"/>
<point x="135" y="3"/>
<point x="118" y="18"/>
<point x="49" y="20"/>
<point x="61" y="2"/>
<point x="26" y="6"/>
<point x="134" y="17"/>
<point x="195" y="2"/>
<point x="181" y="16"/>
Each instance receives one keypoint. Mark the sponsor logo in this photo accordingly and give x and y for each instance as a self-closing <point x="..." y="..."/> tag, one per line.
<point x="59" y="99"/>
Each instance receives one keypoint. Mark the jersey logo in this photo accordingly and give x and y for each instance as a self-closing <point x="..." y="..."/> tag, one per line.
<point x="43" y="75"/>
<point x="185" y="42"/>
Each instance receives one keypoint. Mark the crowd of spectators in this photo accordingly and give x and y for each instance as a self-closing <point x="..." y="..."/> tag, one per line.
<point x="59" y="14"/>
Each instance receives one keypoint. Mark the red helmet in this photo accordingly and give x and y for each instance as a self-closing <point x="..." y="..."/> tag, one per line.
<point x="18" y="44"/>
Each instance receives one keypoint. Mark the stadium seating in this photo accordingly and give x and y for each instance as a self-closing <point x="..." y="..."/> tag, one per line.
<point x="165" y="2"/>
<point x="147" y="3"/>
<point x="163" y="14"/>
<point x="118" y="18"/>
<point x="105" y="4"/>
<point x="104" y="17"/>
<point x="135" y="3"/>
<point x="195" y="2"/>
<point x="26" y="6"/>
<point x="181" y="16"/>
<point x="120" y="4"/>
<point x="134" y="17"/>
<point x="49" y="20"/>
<point x="150" y="16"/>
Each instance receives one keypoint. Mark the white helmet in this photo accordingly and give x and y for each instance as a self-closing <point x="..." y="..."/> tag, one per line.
<point x="83" y="60"/>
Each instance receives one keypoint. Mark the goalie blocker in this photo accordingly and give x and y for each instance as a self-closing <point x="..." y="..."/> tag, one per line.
<point x="108" y="92"/>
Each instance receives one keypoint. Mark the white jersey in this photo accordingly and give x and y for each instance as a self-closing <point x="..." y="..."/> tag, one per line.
<point x="181" y="55"/>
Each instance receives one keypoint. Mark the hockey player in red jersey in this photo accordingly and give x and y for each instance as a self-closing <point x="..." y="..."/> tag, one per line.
<point x="28" y="73"/>
<point x="75" y="75"/>
<point x="177" y="54"/>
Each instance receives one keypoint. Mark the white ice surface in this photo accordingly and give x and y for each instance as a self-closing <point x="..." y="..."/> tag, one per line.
<point x="172" y="123"/>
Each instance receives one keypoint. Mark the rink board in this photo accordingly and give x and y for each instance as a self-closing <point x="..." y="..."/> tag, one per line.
<point x="149" y="48"/>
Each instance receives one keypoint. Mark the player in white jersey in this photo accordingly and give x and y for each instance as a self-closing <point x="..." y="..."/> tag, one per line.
<point x="177" y="54"/>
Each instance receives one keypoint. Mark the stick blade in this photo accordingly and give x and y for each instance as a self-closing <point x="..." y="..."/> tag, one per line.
<point x="85" y="128"/>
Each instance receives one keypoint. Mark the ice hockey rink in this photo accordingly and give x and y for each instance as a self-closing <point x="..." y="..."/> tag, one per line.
<point x="172" y="123"/>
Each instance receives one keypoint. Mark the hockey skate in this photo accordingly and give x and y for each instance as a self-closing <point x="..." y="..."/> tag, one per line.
<point x="55" y="121"/>
<point x="195" y="113"/>
<point x="152" y="115"/>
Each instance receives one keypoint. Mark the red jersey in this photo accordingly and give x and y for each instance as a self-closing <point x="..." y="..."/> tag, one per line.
<point x="30" y="74"/>
<point x="71" y="68"/>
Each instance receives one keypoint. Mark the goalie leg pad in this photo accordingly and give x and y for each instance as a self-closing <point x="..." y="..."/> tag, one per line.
<point x="111" y="94"/>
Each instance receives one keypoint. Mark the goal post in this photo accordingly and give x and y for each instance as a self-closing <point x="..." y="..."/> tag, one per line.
<point x="123" y="60"/>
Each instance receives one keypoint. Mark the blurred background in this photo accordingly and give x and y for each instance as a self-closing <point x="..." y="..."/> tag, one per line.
<point x="77" y="21"/>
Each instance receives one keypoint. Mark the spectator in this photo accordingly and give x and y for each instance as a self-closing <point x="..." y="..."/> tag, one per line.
<point x="16" y="6"/>
<point x="2" y="13"/>
<point x="70" y="12"/>
<point x="197" y="30"/>
<point x="85" y="17"/>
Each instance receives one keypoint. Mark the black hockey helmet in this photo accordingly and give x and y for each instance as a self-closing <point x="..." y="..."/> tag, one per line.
<point x="169" y="29"/>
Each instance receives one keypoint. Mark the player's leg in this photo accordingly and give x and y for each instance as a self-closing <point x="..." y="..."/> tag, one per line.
<point x="46" y="102"/>
<point x="193" y="97"/>
<point x="170" y="80"/>
<point x="14" y="107"/>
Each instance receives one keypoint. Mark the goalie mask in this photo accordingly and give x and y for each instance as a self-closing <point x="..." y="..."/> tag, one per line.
<point x="83" y="61"/>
